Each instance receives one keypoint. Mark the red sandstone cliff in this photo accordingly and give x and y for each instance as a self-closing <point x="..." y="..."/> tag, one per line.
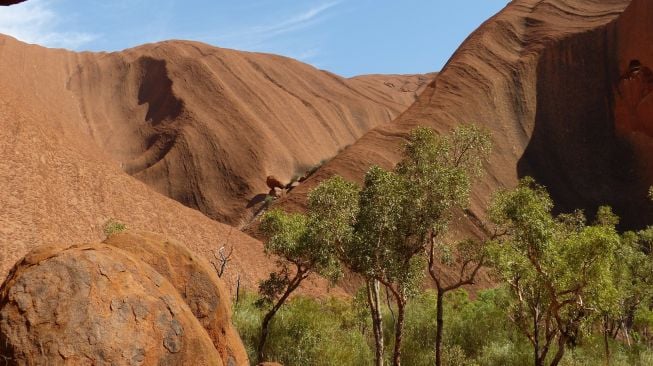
<point x="565" y="88"/>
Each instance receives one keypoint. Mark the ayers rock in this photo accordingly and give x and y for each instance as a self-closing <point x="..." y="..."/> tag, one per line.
<point x="86" y="137"/>
<point x="137" y="299"/>
<point x="565" y="87"/>
<point x="202" y="125"/>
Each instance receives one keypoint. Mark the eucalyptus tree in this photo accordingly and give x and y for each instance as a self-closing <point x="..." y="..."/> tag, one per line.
<point x="633" y="278"/>
<point x="405" y="212"/>
<point x="381" y="253"/>
<point x="558" y="268"/>
<point x="441" y="170"/>
<point x="305" y="244"/>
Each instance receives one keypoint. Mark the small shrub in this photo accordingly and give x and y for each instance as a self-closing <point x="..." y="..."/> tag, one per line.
<point x="113" y="226"/>
<point x="455" y="356"/>
<point x="247" y="317"/>
<point x="269" y="199"/>
<point x="306" y="332"/>
<point x="477" y="333"/>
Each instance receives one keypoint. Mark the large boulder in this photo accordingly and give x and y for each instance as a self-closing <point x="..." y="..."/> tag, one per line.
<point x="197" y="283"/>
<point x="96" y="304"/>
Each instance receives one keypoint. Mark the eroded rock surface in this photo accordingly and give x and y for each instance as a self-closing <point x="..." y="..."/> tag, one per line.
<point x="197" y="283"/>
<point x="96" y="304"/>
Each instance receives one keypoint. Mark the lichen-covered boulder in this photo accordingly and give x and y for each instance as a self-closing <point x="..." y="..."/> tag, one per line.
<point x="96" y="305"/>
<point x="196" y="281"/>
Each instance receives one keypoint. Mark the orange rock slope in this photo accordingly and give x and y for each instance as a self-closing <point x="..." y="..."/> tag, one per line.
<point x="565" y="88"/>
<point x="202" y="125"/>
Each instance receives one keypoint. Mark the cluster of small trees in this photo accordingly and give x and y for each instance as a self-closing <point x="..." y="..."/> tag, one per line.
<point x="565" y="276"/>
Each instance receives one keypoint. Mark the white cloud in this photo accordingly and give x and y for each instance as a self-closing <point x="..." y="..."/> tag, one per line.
<point x="258" y="34"/>
<point x="306" y="55"/>
<point x="36" y="22"/>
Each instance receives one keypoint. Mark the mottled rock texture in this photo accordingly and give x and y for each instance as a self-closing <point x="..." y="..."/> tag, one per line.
<point x="197" y="283"/>
<point x="139" y="298"/>
<point x="96" y="304"/>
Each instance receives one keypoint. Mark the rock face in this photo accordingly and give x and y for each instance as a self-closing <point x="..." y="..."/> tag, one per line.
<point x="200" y="124"/>
<point x="96" y="304"/>
<point x="197" y="283"/>
<point x="62" y="169"/>
<point x="564" y="87"/>
<point x="272" y="182"/>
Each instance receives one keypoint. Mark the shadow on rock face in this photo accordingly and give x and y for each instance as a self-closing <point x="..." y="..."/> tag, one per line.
<point x="586" y="146"/>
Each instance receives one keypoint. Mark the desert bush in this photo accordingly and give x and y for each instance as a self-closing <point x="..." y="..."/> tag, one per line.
<point x="477" y="332"/>
<point x="306" y="332"/>
<point x="113" y="226"/>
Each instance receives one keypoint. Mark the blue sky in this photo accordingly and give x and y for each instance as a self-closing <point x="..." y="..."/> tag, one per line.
<point x="348" y="37"/>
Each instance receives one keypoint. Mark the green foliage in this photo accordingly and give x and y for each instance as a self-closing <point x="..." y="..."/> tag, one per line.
<point x="559" y="269"/>
<point x="420" y="330"/>
<point x="377" y="249"/>
<point x="311" y="241"/>
<point x="305" y="244"/>
<point x="590" y="353"/>
<point x="332" y="209"/>
<point x="478" y="332"/>
<point x="398" y="209"/>
<point x="247" y="317"/>
<point x="287" y="233"/>
<point x="567" y="282"/>
<point x="306" y="332"/>
<point x="455" y="356"/>
<point x="273" y="286"/>
<point x="634" y="276"/>
<point x="401" y="212"/>
<point x="440" y="170"/>
<point x="112" y="226"/>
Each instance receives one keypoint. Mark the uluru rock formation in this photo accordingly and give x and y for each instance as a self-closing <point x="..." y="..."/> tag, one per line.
<point x="196" y="282"/>
<point x="564" y="87"/>
<point x="200" y="124"/>
<point x="62" y="189"/>
<point x="96" y="304"/>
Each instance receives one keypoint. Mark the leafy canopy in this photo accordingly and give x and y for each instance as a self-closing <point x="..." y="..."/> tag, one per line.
<point x="310" y="241"/>
<point x="559" y="268"/>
